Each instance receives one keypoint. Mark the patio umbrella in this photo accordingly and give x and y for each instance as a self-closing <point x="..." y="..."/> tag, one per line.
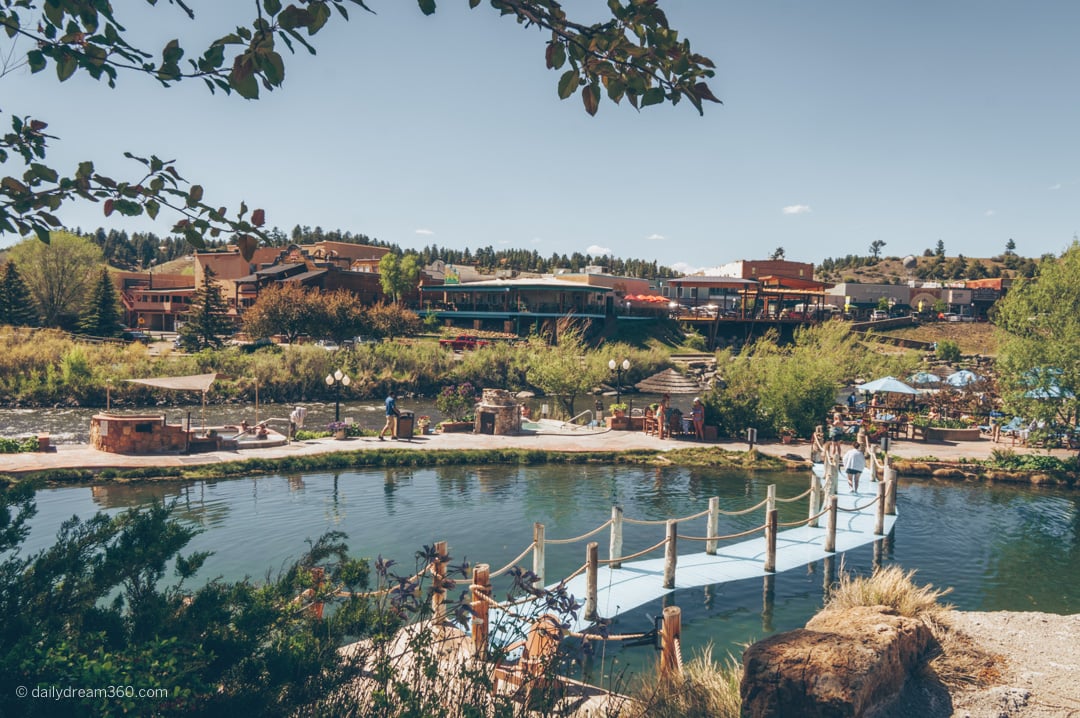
<point x="1052" y="392"/>
<point x="962" y="378"/>
<point x="888" y="384"/>
<point x="924" y="377"/>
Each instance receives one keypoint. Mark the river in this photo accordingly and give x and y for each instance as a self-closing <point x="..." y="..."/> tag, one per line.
<point x="998" y="547"/>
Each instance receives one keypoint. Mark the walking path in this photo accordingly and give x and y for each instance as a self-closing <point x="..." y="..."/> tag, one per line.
<point x="82" y="456"/>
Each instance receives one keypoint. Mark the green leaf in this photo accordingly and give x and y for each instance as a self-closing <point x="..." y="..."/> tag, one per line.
<point x="272" y="7"/>
<point x="42" y="233"/>
<point x="427" y="6"/>
<point x="36" y="60"/>
<point x="152" y="208"/>
<point x="653" y="96"/>
<point x="568" y="84"/>
<point x="65" y="67"/>
<point x="195" y="194"/>
<point x="555" y="55"/>
<point x="47" y="174"/>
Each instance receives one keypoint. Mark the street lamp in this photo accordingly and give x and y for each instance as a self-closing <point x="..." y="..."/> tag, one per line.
<point x="618" y="369"/>
<point x="337" y="380"/>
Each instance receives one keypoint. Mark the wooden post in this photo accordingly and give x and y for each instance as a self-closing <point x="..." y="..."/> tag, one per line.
<point x="714" y="525"/>
<point x="815" y="498"/>
<point x="832" y="475"/>
<point x="768" y="601"/>
<point x="671" y="553"/>
<point x="318" y="574"/>
<point x="770" y="499"/>
<point x="670" y="643"/>
<point x="538" y="554"/>
<point x="879" y="513"/>
<point x="438" y="571"/>
<point x="615" y="547"/>
<point x="592" y="563"/>
<point x="481" y="588"/>
<point x="830" y="526"/>
<point x="770" y="540"/>
<point x="890" y="494"/>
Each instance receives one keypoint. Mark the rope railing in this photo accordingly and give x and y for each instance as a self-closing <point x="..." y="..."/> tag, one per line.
<point x="507" y="567"/>
<point x="725" y="537"/>
<point x="661" y="522"/>
<point x="801" y="522"/>
<point x="582" y="537"/>
<point x="857" y="509"/>
<point x="631" y="556"/>
<point x="803" y="495"/>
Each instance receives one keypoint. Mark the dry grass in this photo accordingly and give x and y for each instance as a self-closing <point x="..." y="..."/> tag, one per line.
<point x="892" y="587"/>
<point x="708" y="688"/>
<point x="954" y="659"/>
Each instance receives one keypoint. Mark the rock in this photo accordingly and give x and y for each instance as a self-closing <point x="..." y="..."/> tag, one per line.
<point x="948" y="474"/>
<point x="844" y="663"/>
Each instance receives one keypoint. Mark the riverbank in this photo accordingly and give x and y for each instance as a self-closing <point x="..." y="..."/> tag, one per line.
<point x="612" y="446"/>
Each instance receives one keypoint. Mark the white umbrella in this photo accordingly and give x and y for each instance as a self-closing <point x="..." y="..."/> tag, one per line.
<point x="888" y="384"/>
<point x="962" y="378"/>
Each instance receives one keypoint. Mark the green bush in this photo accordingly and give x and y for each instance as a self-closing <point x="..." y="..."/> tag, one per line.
<point x="18" y="446"/>
<point x="947" y="350"/>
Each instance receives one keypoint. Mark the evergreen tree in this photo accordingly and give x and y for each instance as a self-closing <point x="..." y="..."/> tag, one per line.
<point x="207" y="320"/>
<point x="16" y="305"/>
<point x="102" y="315"/>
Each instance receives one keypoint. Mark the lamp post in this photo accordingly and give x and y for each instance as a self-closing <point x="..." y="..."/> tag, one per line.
<point x="337" y="380"/>
<point x="618" y="369"/>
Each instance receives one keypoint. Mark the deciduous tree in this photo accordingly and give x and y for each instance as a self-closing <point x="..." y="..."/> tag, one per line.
<point x="59" y="275"/>
<point x="1039" y="354"/>
<point x="398" y="275"/>
<point x="286" y="309"/>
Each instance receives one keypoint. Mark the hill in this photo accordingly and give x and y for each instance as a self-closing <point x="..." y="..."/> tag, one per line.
<point x="896" y="270"/>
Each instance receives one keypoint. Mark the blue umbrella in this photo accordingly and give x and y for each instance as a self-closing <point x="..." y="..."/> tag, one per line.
<point x="962" y="378"/>
<point x="924" y="377"/>
<point x="888" y="384"/>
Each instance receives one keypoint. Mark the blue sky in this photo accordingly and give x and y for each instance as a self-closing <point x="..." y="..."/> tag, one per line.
<point x="843" y="123"/>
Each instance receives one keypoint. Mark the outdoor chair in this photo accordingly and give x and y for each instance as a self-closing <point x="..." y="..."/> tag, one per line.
<point x="532" y="671"/>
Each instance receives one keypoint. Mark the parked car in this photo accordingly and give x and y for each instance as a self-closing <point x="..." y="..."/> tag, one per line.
<point x="878" y="315"/>
<point x="949" y="317"/>
<point x="462" y="342"/>
<point x="134" y="335"/>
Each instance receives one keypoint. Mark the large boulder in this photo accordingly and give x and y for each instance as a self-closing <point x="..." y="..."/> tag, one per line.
<point x="843" y="664"/>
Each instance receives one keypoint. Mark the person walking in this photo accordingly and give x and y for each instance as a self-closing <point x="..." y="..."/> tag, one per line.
<point x="697" y="413"/>
<point x="391" y="414"/>
<point x="854" y="462"/>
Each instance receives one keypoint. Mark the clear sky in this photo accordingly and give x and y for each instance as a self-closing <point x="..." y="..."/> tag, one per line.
<point x="843" y="123"/>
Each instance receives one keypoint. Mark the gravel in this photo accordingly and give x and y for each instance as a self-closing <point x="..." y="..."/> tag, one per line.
<point x="1039" y="668"/>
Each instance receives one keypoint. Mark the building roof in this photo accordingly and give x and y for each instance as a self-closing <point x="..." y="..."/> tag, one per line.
<point x="505" y="285"/>
<point x="304" y="276"/>
<point x="717" y="280"/>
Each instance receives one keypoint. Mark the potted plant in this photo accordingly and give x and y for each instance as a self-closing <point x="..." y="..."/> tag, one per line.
<point x="618" y="409"/>
<point x="787" y="434"/>
<point x="423" y="424"/>
<point x="338" y="429"/>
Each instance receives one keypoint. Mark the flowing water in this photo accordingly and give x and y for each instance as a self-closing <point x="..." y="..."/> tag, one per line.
<point x="998" y="547"/>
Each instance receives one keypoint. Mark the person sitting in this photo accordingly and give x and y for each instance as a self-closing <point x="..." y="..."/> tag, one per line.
<point x="244" y="426"/>
<point x="261" y="431"/>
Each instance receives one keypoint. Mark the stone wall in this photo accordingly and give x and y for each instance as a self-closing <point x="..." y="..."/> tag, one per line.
<point x="136" y="434"/>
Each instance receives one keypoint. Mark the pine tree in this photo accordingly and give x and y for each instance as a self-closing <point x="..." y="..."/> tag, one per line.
<point x="16" y="306"/>
<point x="207" y="320"/>
<point x="102" y="315"/>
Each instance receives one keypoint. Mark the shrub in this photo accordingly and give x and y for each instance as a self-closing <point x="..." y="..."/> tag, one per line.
<point x="456" y="401"/>
<point x="707" y="687"/>
<point x="892" y="587"/>
<point x="947" y="350"/>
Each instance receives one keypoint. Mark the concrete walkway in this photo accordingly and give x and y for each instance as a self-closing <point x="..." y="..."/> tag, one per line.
<point x="82" y="456"/>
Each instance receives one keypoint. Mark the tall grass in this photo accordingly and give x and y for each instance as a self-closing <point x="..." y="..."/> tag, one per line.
<point x="892" y="587"/>
<point x="708" y="688"/>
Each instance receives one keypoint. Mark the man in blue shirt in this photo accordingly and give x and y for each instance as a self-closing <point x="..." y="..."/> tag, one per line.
<point x="391" y="412"/>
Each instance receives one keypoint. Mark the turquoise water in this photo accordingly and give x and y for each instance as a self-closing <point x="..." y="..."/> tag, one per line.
<point x="999" y="547"/>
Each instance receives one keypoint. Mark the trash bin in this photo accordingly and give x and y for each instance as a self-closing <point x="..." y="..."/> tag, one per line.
<point x="403" y="425"/>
